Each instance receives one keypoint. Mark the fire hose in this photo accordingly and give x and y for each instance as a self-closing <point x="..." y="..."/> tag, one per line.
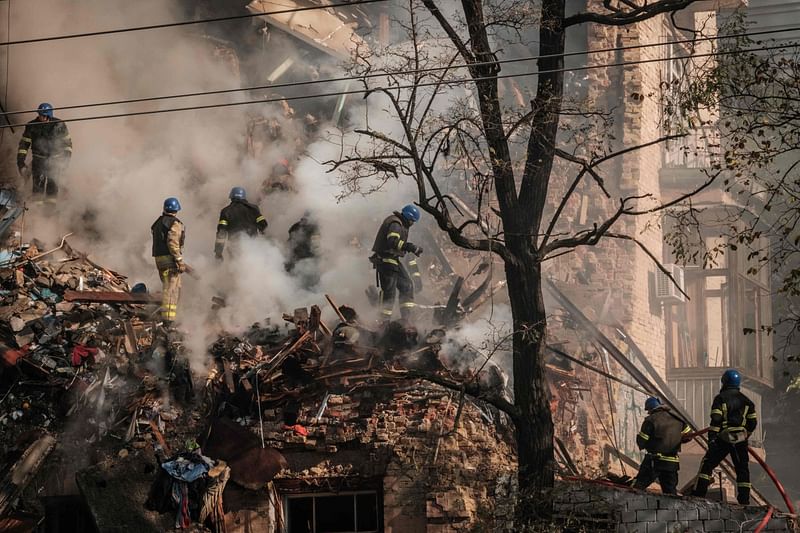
<point x="766" y="468"/>
<point x="764" y="521"/>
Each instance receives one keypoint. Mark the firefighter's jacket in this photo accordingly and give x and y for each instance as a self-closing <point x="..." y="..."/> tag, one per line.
<point x="661" y="435"/>
<point x="238" y="217"/>
<point x="168" y="237"/>
<point x="733" y="416"/>
<point x="303" y="239"/>
<point x="45" y="139"/>
<point x="391" y="243"/>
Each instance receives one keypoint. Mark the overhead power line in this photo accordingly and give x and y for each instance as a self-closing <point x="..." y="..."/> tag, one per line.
<point x="410" y="86"/>
<point x="185" y="23"/>
<point x="395" y="73"/>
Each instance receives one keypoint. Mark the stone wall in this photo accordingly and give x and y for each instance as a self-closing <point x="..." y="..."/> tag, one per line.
<point x="600" y="507"/>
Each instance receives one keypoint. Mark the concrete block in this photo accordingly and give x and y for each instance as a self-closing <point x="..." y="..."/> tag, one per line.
<point x="715" y="525"/>
<point x="669" y="503"/>
<point x="636" y="504"/>
<point x="646" y="515"/>
<point x="656" y="527"/>
<point x="778" y="524"/>
<point x="579" y="496"/>
<point x="688" y="514"/>
<point x="697" y="526"/>
<point x="666" y="515"/>
<point x="682" y="526"/>
<point x="732" y="525"/>
<point x="627" y="516"/>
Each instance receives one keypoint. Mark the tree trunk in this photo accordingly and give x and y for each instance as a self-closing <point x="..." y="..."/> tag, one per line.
<point x="534" y="428"/>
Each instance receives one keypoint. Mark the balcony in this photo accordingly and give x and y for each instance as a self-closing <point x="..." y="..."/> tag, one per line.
<point x="685" y="159"/>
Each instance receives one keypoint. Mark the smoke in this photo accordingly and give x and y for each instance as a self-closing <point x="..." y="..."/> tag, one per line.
<point x="123" y="168"/>
<point x="484" y="344"/>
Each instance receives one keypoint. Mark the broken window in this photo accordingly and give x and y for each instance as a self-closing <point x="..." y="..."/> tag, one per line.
<point x="354" y="512"/>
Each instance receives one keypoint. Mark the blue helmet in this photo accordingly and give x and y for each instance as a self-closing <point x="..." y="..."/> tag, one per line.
<point x="45" y="110"/>
<point x="237" y="193"/>
<point x="731" y="378"/>
<point x="139" y="288"/>
<point x="411" y="213"/>
<point x="172" y="205"/>
<point x="651" y="403"/>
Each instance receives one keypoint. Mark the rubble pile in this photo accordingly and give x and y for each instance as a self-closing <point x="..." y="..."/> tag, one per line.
<point x="59" y="353"/>
<point x="86" y="364"/>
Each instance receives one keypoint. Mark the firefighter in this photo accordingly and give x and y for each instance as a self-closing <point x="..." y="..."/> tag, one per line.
<point x="660" y="436"/>
<point x="733" y="420"/>
<point x="391" y="244"/>
<point x="238" y="217"/>
<point x="168" y="236"/>
<point x="303" y="247"/>
<point x="48" y="140"/>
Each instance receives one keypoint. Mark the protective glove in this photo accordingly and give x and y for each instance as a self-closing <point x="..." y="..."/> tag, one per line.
<point x="21" y="166"/>
<point x="713" y="438"/>
<point x="181" y="266"/>
<point x="413" y="248"/>
<point x="417" y="283"/>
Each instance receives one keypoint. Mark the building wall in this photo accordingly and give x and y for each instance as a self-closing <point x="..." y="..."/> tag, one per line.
<point x="435" y="475"/>
<point x="602" y="508"/>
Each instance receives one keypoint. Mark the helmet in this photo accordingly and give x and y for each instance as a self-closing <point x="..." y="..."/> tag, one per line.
<point x="45" y="110"/>
<point x="237" y="193"/>
<point x="139" y="288"/>
<point x="731" y="378"/>
<point x="651" y="403"/>
<point x="172" y="205"/>
<point x="411" y="213"/>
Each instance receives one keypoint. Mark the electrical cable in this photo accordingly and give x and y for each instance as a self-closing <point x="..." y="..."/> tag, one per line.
<point x="396" y="73"/>
<point x="368" y="91"/>
<point x="186" y="23"/>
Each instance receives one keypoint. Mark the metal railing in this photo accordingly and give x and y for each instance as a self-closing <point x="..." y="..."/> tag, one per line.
<point x="699" y="149"/>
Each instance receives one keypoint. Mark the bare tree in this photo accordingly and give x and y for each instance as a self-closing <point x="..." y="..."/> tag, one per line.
<point x="451" y="124"/>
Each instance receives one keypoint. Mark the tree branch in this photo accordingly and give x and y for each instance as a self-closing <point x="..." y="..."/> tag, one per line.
<point x="623" y="18"/>
<point x="651" y="256"/>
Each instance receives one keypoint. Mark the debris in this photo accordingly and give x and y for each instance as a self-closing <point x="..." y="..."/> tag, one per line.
<point x="24" y="469"/>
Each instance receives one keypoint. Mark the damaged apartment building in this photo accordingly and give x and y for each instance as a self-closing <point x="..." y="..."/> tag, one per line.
<point x="320" y="428"/>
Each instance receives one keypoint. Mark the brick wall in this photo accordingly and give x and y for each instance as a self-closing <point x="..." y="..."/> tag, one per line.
<point x="436" y="477"/>
<point x="603" y="508"/>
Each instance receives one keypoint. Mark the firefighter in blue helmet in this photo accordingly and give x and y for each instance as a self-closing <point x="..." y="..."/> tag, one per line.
<point x="660" y="436"/>
<point x="168" y="238"/>
<point x="238" y="218"/>
<point x="390" y="246"/>
<point x="733" y="420"/>
<point x="48" y="140"/>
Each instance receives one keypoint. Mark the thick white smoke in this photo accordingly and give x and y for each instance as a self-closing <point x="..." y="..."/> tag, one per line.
<point x="123" y="168"/>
